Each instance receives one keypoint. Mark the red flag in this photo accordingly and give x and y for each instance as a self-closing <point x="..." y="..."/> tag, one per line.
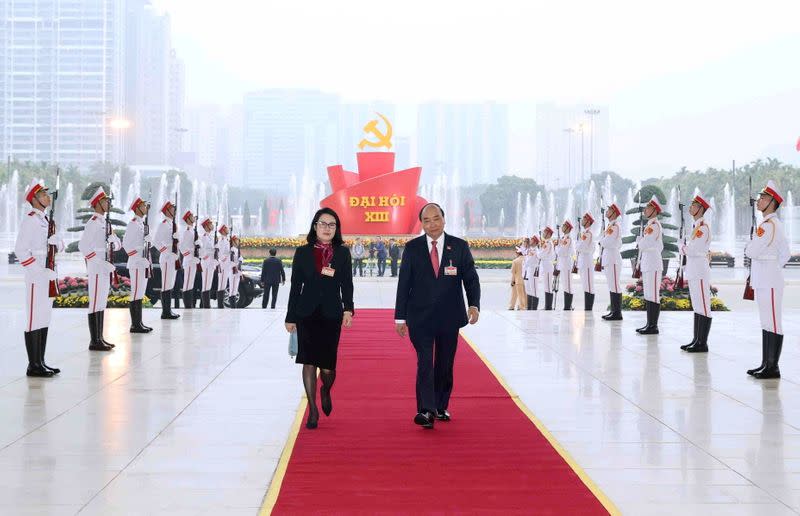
<point x="798" y="145"/>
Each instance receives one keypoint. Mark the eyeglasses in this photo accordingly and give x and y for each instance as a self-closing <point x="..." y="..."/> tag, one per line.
<point x="323" y="225"/>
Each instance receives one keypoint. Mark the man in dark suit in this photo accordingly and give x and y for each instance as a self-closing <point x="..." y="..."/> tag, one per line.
<point x="380" y="249"/>
<point x="394" y="255"/>
<point x="434" y="267"/>
<point x="272" y="274"/>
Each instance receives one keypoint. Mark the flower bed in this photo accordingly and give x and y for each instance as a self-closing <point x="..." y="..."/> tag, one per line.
<point x="673" y="298"/>
<point x="75" y="294"/>
<point x="474" y="243"/>
<point x="479" y="263"/>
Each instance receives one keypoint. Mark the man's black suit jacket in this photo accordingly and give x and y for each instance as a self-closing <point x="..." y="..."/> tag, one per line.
<point x="428" y="303"/>
<point x="311" y="289"/>
<point x="272" y="271"/>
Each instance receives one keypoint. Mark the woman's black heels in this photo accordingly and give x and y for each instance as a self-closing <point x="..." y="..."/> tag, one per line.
<point x="313" y="419"/>
<point x="325" y="400"/>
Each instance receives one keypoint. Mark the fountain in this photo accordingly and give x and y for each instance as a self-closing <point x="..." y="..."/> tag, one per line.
<point x="502" y="220"/>
<point x="551" y="210"/>
<point x="608" y="192"/>
<point x="67" y="214"/>
<point x="569" y="212"/>
<point x="528" y="216"/>
<point x="455" y="221"/>
<point x="11" y="206"/>
<point x="672" y="209"/>
<point x="538" y="212"/>
<point x="116" y="188"/>
<point x="518" y="215"/>
<point x="728" y="219"/>
<point x="483" y="224"/>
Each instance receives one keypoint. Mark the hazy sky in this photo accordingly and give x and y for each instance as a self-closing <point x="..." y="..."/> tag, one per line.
<point x="692" y="83"/>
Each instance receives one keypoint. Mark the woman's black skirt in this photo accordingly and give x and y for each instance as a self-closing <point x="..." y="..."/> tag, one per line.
<point x="318" y="340"/>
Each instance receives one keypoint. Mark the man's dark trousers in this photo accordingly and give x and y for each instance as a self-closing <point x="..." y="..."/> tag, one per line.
<point x="267" y="288"/>
<point x="436" y="353"/>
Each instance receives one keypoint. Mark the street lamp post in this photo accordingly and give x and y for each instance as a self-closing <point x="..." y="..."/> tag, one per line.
<point x="583" y="169"/>
<point x="569" y="132"/>
<point x="591" y="112"/>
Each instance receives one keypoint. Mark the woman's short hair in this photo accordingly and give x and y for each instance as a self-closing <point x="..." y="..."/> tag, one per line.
<point x="312" y="233"/>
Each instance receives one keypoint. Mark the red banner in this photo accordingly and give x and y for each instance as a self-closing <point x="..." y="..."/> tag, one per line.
<point x="376" y="200"/>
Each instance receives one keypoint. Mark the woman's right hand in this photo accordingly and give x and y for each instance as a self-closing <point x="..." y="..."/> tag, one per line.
<point x="290" y="327"/>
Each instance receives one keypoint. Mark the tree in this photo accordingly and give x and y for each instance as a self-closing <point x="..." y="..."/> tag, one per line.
<point x="504" y="194"/>
<point x="83" y="214"/>
<point x="264" y="215"/>
<point x="246" y="217"/>
<point x="642" y="197"/>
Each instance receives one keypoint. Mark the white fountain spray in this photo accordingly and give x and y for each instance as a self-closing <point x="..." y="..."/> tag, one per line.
<point x="728" y="219"/>
<point x="790" y="219"/>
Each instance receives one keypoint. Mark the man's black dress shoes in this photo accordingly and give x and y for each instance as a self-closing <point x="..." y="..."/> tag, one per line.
<point x="442" y="415"/>
<point x="424" y="419"/>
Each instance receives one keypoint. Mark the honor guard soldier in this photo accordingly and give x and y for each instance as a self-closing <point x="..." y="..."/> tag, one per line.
<point x="223" y="246"/>
<point x="186" y="245"/>
<point x="585" y="250"/>
<point x="236" y="271"/>
<point x="531" y="274"/>
<point x="651" y="244"/>
<point x="96" y="245"/>
<point x="698" y="273"/>
<point x="611" y="261"/>
<point x="547" y="255"/>
<point x="167" y="259"/>
<point x="32" y="248"/>
<point x="208" y="264"/>
<point x="136" y="243"/>
<point x="769" y="252"/>
<point x="564" y="261"/>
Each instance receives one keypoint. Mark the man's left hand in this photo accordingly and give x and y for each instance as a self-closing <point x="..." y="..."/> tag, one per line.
<point x="473" y="314"/>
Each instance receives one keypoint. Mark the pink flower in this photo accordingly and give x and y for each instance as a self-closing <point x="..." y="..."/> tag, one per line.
<point x="639" y="288"/>
<point x="670" y="289"/>
<point x="73" y="283"/>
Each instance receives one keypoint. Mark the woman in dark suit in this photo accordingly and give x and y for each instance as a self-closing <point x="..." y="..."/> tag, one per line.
<point x="320" y="302"/>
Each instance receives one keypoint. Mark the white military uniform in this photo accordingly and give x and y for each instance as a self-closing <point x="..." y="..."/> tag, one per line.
<point x="225" y="266"/>
<point x="163" y="241"/>
<point x="236" y="276"/>
<point x="134" y="243"/>
<point x="31" y="249"/>
<point x="697" y="271"/>
<point x="207" y="262"/>
<point x="565" y="261"/>
<point x="585" y="250"/>
<point x="769" y="252"/>
<point x="611" y="242"/>
<point x="546" y="256"/>
<point x="531" y="263"/>
<point x="93" y="248"/>
<point x="651" y="245"/>
<point x="186" y="247"/>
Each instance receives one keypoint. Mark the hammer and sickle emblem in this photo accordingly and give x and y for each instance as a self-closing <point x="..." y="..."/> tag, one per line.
<point x="384" y="139"/>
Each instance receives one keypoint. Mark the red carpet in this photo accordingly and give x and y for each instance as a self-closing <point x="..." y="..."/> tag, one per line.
<point x="369" y="457"/>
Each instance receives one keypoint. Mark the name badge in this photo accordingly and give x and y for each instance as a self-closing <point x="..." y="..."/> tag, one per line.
<point x="450" y="271"/>
<point x="327" y="271"/>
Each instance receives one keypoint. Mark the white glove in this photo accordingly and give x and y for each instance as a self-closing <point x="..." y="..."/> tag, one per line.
<point x="115" y="241"/>
<point x="109" y="266"/>
<point x="176" y="236"/>
<point x="148" y="238"/>
<point x="197" y="242"/>
<point x="56" y="241"/>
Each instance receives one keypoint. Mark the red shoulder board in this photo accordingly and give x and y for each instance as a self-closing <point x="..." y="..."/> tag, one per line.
<point x="31" y="214"/>
<point x="94" y="217"/>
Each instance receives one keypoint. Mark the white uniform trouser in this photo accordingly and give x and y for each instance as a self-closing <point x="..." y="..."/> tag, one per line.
<point x="531" y="285"/>
<point x="189" y="272"/>
<point x="770" y="308"/>
<point x="222" y="281"/>
<point x="587" y="278"/>
<point x="167" y="262"/>
<point x="547" y="280"/>
<point x="700" y="293"/>
<point x="138" y="283"/>
<point x="233" y="287"/>
<point x="651" y="282"/>
<point x="99" y="283"/>
<point x="38" y="304"/>
<point x="209" y="267"/>
<point x="612" y="271"/>
<point x="566" y="278"/>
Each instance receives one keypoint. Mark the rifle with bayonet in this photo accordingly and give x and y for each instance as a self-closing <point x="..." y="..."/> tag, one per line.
<point x="598" y="265"/>
<point x="679" y="281"/>
<point x="175" y="250"/>
<point x="749" y="293"/>
<point x="50" y="261"/>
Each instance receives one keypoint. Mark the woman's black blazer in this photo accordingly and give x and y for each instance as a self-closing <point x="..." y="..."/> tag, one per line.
<point x="311" y="289"/>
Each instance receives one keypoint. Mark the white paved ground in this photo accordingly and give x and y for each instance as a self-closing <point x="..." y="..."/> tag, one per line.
<point x="192" y="419"/>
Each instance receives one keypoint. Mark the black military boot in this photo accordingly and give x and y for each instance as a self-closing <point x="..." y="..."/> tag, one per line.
<point x="648" y="312"/>
<point x="696" y="332"/>
<point x="43" y="349"/>
<point x="166" y="309"/>
<point x="773" y="356"/>
<point x="534" y="303"/>
<point x="205" y="299"/>
<point x="548" y="300"/>
<point x="220" y="299"/>
<point x="704" y="327"/>
<point x="653" y="311"/>
<point x="588" y="301"/>
<point x="567" y="301"/>
<point x="94" y="325"/>
<point x="101" y="317"/>
<point x="35" y="368"/>
<point x="177" y="300"/>
<point x="136" y="318"/>
<point x="187" y="299"/>
<point x="615" y="314"/>
<point x="763" y="354"/>
<point x="529" y="304"/>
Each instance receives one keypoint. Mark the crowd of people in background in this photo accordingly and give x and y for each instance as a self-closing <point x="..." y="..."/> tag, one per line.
<point x="372" y="256"/>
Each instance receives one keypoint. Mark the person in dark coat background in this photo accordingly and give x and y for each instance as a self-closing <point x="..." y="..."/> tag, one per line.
<point x="394" y="255"/>
<point x="272" y="275"/>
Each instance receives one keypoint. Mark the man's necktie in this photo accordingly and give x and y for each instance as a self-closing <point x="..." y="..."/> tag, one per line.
<point x="435" y="258"/>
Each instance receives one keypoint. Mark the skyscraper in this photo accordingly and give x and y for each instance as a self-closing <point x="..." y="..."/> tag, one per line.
<point x="287" y="132"/>
<point x="471" y="139"/>
<point x="60" y="86"/>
